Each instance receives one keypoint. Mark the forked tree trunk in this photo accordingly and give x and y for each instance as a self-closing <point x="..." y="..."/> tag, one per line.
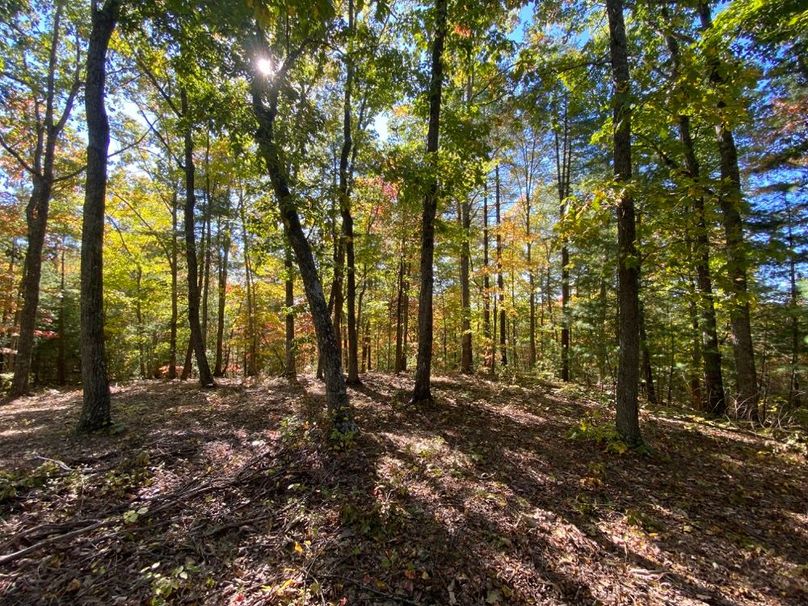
<point x="36" y="212"/>
<point x="422" y="392"/>
<point x="628" y="271"/>
<point x="95" y="411"/>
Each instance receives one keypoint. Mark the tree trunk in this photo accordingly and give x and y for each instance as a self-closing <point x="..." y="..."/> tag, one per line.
<point x="730" y="200"/>
<point x="503" y="326"/>
<point x="715" y="402"/>
<point x="61" y="371"/>
<point x="401" y="359"/>
<point x="489" y="354"/>
<point x="290" y="368"/>
<point x="345" y="211"/>
<point x="336" y="392"/>
<point x="198" y="345"/>
<point x="172" y="344"/>
<point x="422" y="392"/>
<point x="628" y="259"/>
<point x="224" y="253"/>
<point x="647" y="369"/>
<point x="563" y="157"/>
<point x="466" y="356"/>
<point x="95" y="412"/>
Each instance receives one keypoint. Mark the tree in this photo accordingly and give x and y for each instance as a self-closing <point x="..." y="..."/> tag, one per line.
<point x="265" y="91"/>
<point x="422" y="393"/>
<point x="628" y="260"/>
<point x="95" y="412"/>
<point x="43" y="110"/>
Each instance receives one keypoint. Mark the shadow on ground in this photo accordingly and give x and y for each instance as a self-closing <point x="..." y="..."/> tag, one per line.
<point x="229" y="497"/>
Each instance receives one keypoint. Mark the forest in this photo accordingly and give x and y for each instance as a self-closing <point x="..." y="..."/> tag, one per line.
<point x="399" y="302"/>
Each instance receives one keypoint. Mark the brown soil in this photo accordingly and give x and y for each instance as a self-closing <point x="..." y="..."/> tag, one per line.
<point x="230" y="496"/>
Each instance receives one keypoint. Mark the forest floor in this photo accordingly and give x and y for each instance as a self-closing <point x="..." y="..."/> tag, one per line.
<point x="501" y="494"/>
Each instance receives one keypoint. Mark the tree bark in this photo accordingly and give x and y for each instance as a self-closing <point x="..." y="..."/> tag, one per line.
<point x="628" y="259"/>
<point x="563" y="158"/>
<point x="503" y="325"/>
<point x="290" y="368"/>
<point x="198" y="345"/>
<point x="422" y="393"/>
<point x="489" y="353"/>
<point x="466" y="355"/>
<point x="95" y="412"/>
<point x="36" y="214"/>
<point x="224" y="253"/>
<point x="336" y="392"/>
<point x="172" y="343"/>
<point x="730" y="200"/>
<point x="345" y="211"/>
<point x="714" y="398"/>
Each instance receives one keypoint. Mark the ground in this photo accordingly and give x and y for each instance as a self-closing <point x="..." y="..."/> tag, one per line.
<point x="499" y="494"/>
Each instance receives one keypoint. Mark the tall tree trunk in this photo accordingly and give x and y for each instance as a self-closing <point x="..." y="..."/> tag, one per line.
<point x="206" y="275"/>
<point x="290" y="368"/>
<point x="628" y="259"/>
<point x="401" y="359"/>
<point x="36" y="215"/>
<point x="563" y="158"/>
<point x="715" y="401"/>
<point x="730" y="200"/>
<point x="172" y="343"/>
<point x="250" y="352"/>
<point x="466" y="356"/>
<point x="489" y="354"/>
<point x="794" y="399"/>
<point x="198" y="345"/>
<point x="95" y="412"/>
<point x="503" y="325"/>
<point x="224" y="253"/>
<point x="336" y="391"/>
<point x="422" y="392"/>
<point x="61" y="371"/>
<point x="345" y="210"/>
<point x="647" y="369"/>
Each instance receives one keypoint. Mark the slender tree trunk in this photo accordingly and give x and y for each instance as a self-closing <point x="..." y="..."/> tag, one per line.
<point x="172" y="343"/>
<point x="563" y="157"/>
<point x="730" y="200"/>
<point x="400" y="360"/>
<point x="336" y="391"/>
<point x="345" y="210"/>
<point x="794" y="399"/>
<point x="198" y="345"/>
<point x="290" y="368"/>
<point x="503" y="325"/>
<point x="95" y="412"/>
<point x="224" y="253"/>
<point x="647" y="369"/>
<point x="250" y="352"/>
<point x="422" y="392"/>
<point x="61" y="371"/>
<point x="206" y="276"/>
<point x="466" y="357"/>
<point x="489" y="354"/>
<point x="628" y="259"/>
<point x="715" y="402"/>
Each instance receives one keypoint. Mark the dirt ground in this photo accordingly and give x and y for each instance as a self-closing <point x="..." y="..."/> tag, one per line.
<point x="500" y="494"/>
